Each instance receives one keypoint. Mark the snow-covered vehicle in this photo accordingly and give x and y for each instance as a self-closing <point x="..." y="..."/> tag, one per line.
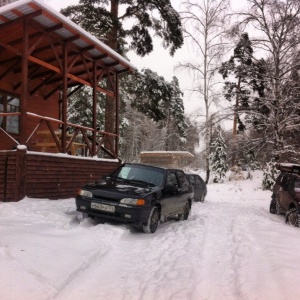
<point x="286" y="193"/>
<point x="139" y="194"/>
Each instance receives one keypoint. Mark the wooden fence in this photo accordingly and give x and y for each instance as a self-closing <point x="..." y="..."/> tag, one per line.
<point x="41" y="175"/>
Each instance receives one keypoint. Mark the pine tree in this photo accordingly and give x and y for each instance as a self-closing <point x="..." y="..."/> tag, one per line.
<point x="162" y="102"/>
<point x="243" y="77"/>
<point x="218" y="157"/>
<point x="80" y="108"/>
<point x="125" y="25"/>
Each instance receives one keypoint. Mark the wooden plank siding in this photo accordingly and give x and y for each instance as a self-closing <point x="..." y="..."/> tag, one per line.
<point x="8" y="161"/>
<point x="45" y="176"/>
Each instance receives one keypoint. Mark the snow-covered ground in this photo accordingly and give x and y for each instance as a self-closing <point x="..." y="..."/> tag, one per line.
<point x="230" y="248"/>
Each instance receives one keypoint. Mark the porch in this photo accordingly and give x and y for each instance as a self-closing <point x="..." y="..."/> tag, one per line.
<point x="44" y="60"/>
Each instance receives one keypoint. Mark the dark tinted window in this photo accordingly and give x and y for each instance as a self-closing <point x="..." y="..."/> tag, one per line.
<point x="172" y="179"/>
<point x="182" y="178"/>
<point x="198" y="180"/>
<point x="191" y="179"/>
<point x="284" y="182"/>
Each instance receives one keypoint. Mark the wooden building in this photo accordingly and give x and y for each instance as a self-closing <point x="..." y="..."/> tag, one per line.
<point x="44" y="59"/>
<point x="168" y="159"/>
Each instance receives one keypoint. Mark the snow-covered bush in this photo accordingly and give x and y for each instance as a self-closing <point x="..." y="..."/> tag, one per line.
<point x="269" y="176"/>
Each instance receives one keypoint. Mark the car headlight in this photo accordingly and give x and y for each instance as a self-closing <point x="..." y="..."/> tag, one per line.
<point x="132" y="201"/>
<point x="85" y="193"/>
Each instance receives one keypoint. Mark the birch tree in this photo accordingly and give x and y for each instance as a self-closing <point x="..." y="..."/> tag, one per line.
<point x="275" y="25"/>
<point x="204" y="23"/>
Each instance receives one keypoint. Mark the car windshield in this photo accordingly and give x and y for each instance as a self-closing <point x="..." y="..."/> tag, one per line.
<point x="139" y="173"/>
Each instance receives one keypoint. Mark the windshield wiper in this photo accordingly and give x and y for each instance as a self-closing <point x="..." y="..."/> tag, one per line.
<point x="141" y="182"/>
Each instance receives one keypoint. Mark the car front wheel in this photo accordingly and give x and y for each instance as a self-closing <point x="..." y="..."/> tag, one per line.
<point x="292" y="217"/>
<point x="153" y="220"/>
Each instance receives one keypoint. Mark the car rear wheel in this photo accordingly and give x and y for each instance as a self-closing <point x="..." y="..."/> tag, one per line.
<point x="202" y="198"/>
<point x="278" y="209"/>
<point x="186" y="211"/>
<point x="292" y="217"/>
<point x="273" y="209"/>
<point x="153" y="220"/>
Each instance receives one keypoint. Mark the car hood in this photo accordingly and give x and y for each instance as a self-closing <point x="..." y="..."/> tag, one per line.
<point x="119" y="190"/>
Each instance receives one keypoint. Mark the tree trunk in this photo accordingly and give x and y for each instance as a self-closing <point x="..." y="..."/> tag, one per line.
<point x="112" y="41"/>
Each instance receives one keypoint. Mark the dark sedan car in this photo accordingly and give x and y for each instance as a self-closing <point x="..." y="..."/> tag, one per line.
<point x="139" y="194"/>
<point x="200" y="189"/>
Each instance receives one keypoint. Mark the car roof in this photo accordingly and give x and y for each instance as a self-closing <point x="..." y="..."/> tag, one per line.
<point x="193" y="174"/>
<point x="289" y="168"/>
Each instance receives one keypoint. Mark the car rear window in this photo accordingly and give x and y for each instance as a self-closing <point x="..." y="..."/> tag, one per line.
<point x="191" y="178"/>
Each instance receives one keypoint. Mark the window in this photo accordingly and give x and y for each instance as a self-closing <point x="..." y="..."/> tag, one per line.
<point x="297" y="185"/>
<point x="9" y="104"/>
<point x="192" y="179"/>
<point x="171" y="179"/>
<point x="182" y="178"/>
<point x="199" y="181"/>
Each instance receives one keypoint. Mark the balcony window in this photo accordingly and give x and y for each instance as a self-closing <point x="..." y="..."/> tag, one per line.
<point x="9" y="104"/>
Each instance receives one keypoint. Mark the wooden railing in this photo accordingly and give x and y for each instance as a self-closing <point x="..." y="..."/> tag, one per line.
<point x="78" y="140"/>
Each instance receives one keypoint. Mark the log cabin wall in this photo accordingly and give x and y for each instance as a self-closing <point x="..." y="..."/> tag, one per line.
<point x="8" y="175"/>
<point x="39" y="175"/>
<point x="37" y="104"/>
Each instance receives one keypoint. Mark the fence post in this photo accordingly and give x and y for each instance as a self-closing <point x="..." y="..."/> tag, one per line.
<point x="20" y="172"/>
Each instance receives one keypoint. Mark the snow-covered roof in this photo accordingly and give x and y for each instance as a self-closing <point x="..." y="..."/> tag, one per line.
<point x="49" y="17"/>
<point x="173" y="153"/>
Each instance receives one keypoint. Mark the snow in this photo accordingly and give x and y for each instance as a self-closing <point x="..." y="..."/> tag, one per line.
<point x="231" y="247"/>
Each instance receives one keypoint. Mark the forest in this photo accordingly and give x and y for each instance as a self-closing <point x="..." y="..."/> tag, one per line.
<point x="245" y="76"/>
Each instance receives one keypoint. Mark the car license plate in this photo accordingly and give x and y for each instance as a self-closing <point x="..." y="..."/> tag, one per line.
<point x="103" y="207"/>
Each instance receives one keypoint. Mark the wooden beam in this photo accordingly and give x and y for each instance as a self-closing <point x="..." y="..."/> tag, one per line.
<point x="24" y="85"/>
<point x="64" y="98"/>
<point x="42" y="83"/>
<point x="75" y="90"/>
<point x="10" y="48"/>
<point x="117" y="115"/>
<point x="94" y="80"/>
<point x="10" y="68"/>
<point x="75" y="78"/>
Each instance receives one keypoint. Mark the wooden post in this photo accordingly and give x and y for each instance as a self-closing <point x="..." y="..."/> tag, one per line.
<point x="20" y="173"/>
<point x="94" y="107"/>
<point x="64" y="98"/>
<point x="24" y="85"/>
<point x="117" y="115"/>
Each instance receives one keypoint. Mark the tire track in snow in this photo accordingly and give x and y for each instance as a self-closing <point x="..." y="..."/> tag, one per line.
<point x="230" y="246"/>
<point x="218" y="271"/>
<point x="160" y="272"/>
<point x="264" y="282"/>
<point x="96" y="233"/>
